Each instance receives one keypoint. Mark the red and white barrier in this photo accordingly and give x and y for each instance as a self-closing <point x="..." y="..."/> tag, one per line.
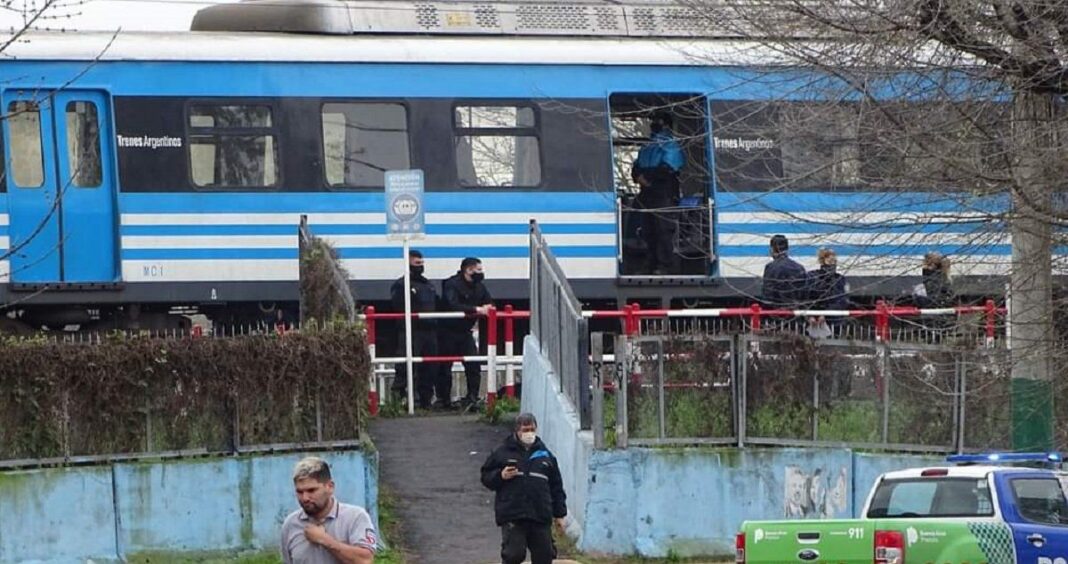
<point x="631" y="316"/>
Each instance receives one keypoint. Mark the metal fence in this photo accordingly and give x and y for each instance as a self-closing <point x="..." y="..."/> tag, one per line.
<point x="557" y="322"/>
<point x="793" y="391"/>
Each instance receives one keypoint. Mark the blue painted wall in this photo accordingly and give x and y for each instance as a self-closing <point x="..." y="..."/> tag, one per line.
<point x="215" y="504"/>
<point x="689" y="500"/>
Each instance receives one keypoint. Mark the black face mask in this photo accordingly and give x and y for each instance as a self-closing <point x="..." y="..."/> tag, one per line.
<point x="417" y="270"/>
<point x="830" y="268"/>
<point x="477" y="276"/>
<point x="656" y="127"/>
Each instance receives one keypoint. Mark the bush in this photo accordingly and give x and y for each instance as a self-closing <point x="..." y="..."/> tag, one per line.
<point x="139" y="394"/>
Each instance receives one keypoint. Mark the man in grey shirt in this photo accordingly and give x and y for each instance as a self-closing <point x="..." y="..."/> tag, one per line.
<point x="325" y="531"/>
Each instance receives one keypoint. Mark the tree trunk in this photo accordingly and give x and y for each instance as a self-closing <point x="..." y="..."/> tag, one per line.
<point x="1031" y="278"/>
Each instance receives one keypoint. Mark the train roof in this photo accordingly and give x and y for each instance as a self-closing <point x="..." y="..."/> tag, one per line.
<point x="289" y="47"/>
<point x="627" y="18"/>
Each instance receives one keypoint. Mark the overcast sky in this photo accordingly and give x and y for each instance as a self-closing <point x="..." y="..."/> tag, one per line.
<point x="105" y="15"/>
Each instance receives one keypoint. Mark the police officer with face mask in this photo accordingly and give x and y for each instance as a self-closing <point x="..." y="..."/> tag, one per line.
<point x="657" y="170"/>
<point x="463" y="291"/>
<point x="530" y="494"/>
<point x="424" y="331"/>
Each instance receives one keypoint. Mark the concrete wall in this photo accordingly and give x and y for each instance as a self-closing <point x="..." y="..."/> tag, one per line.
<point x="559" y="427"/>
<point x="690" y="501"/>
<point x="109" y="513"/>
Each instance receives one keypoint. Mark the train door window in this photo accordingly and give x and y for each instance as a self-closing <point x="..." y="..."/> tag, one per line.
<point x="666" y="224"/>
<point x="83" y="144"/>
<point x="497" y="146"/>
<point x="363" y="140"/>
<point x="233" y="146"/>
<point x="24" y="129"/>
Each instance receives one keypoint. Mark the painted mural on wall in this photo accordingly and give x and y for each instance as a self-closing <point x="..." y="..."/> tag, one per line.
<point x="815" y="494"/>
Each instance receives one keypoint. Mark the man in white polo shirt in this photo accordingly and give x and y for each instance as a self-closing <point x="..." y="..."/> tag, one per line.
<point x="324" y="530"/>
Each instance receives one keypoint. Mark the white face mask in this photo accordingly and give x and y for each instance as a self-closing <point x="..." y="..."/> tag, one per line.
<point x="528" y="437"/>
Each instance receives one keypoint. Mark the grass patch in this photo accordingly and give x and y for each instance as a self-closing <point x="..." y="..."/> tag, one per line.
<point x="258" y="557"/>
<point x="390" y="528"/>
<point x="504" y="409"/>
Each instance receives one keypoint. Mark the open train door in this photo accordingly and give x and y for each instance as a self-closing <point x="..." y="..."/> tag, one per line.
<point x="690" y="215"/>
<point x="61" y="187"/>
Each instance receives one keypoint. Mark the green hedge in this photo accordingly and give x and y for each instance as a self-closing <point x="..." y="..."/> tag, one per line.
<point x="140" y="394"/>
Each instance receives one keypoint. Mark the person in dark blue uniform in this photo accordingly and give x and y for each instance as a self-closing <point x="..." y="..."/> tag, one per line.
<point x="785" y="280"/>
<point x="656" y="171"/>
<point x="529" y="494"/>
<point x="463" y="291"/>
<point x="424" y="334"/>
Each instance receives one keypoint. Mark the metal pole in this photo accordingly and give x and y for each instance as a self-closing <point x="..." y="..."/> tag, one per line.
<point x="660" y="387"/>
<point x="373" y="396"/>
<point x="509" y="351"/>
<point x="408" y="328"/>
<point x="883" y="362"/>
<point x="491" y="361"/>
<point x="962" y="375"/>
<point x="622" y="350"/>
<point x="597" y="354"/>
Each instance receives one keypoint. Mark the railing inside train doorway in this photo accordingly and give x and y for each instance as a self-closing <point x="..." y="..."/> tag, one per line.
<point x="557" y="322"/>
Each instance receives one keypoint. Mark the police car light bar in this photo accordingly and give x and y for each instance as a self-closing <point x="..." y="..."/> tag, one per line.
<point x="994" y="457"/>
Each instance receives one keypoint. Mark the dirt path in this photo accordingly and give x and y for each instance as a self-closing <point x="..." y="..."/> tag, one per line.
<point x="431" y="465"/>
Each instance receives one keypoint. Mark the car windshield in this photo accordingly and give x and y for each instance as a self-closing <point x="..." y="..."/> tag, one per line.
<point x="932" y="497"/>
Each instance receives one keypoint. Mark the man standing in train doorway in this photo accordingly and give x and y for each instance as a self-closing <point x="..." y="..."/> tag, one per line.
<point x="463" y="291"/>
<point x="656" y="170"/>
<point x="424" y="334"/>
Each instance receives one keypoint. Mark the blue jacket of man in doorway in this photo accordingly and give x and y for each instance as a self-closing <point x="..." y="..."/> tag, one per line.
<point x="662" y="150"/>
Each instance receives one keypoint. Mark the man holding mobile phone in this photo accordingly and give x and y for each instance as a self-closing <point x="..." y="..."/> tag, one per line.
<point x="530" y="494"/>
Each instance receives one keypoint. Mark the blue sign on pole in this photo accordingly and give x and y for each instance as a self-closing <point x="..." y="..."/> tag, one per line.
<point x="405" y="218"/>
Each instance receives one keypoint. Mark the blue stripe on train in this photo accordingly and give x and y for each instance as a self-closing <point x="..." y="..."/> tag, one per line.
<point x="362" y="253"/>
<point x="801" y="228"/>
<point x="336" y="202"/>
<point x="408" y="80"/>
<point x="889" y="251"/>
<point x="858" y="202"/>
<point x="363" y="229"/>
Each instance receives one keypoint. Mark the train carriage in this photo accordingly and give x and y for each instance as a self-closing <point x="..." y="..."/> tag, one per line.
<point x="146" y="172"/>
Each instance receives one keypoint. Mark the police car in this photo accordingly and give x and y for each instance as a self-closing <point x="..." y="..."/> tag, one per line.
<point x="988" y="508"/>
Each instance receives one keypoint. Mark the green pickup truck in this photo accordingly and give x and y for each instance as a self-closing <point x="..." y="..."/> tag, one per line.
<point x="978" y="513"/>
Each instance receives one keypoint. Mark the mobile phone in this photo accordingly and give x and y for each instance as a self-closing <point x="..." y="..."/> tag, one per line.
<point x="511" y="462"/>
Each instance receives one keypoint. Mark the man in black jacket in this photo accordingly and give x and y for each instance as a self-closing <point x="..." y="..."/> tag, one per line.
<point x="785" y="280"/>
<point x="463" y="291"/>
<point x="424" y="335"/>
<point x="530" y="494"/>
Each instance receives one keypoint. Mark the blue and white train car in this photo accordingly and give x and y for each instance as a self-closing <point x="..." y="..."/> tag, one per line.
<point x="147" y="171"/>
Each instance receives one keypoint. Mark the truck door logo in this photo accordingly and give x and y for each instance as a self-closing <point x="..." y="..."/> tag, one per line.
<point x="913" y="535"/>
<point x="808" y="555"/>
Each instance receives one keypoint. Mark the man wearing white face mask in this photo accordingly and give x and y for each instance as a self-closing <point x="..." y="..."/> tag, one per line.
<point x="530" y="494"/>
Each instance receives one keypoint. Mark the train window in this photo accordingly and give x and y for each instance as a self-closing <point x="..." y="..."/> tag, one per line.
<point x="363" y="140"/>
<point x="232" y="146"/>
<point x="24" y="130"/>
<point x="83" y="145"/>
<point x="819" y="145"/>
<point x="746" y="145"/>
<point x="497" y="146"/>
<point x="235" y="117"/>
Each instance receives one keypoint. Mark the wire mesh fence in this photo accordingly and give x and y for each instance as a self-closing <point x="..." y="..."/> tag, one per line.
<point x="791" y="390"/>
